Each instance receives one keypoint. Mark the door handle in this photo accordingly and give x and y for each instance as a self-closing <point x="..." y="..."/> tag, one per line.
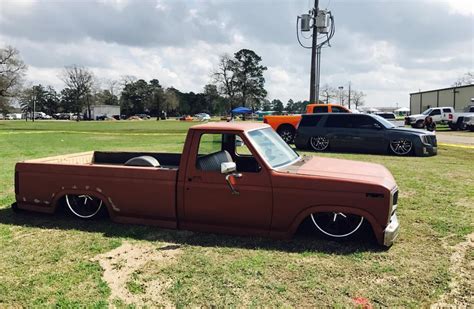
<point x="230" y="179"/>
<point x="194" y="178"/>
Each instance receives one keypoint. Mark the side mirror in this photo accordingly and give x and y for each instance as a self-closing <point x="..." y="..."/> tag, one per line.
<point x="228" y="167"/>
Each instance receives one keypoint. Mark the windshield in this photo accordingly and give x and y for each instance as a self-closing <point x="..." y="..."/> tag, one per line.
<point x="387" y="124"/>
<point x="427" y="112"/>
<point x="272" y="148"/>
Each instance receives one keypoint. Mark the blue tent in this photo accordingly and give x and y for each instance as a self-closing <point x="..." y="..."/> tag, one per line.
<point x="241" y="110"/>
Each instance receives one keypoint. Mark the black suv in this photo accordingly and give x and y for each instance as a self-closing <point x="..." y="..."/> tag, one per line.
<point x="362" y="133"/>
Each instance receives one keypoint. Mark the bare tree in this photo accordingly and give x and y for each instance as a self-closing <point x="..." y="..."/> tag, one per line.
<point x="81" y="81"/>
<point x="357" y="97"/>
<point x="225" y="78"/>
<point x="466" y="79"/>
<point x="12" y="70"/>
<point x="327" y="93"/>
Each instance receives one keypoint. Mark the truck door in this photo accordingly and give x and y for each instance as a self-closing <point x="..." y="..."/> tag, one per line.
<point x="208" y="199"/>
<point x="436" y="115"/>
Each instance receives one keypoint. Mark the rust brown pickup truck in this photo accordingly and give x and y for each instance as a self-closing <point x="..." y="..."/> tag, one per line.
<point x="231" y="178"/>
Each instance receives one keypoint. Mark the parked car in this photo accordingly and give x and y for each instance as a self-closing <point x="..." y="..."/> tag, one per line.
<point x="457" y="122"/>
<point x="286" y="125"/>
<point x="439" y="115"/>
<point x="2" y="117"/>
<point x="202" y="117"/>
<point x="362" y="133"/>
<point x="469" y="123"/>
<point x="143" y="116"/>
<point x="266" y="189"/>
<point x="391" y="117"/>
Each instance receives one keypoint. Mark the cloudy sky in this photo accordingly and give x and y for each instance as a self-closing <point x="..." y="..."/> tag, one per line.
<point x="385" y="48"/>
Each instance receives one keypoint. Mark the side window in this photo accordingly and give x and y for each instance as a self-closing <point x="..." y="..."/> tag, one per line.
<point x="310" y="121"/>
<point x="240" y="148"/>
<point x="446" y="110"/>
<point x="210" y="143"/>
<point x="320" y="109"/>
<point x="337" y="109"/>
<point x="435" y="112"/>
<point x="341" y="121"/>
<point x="365" y="122"/>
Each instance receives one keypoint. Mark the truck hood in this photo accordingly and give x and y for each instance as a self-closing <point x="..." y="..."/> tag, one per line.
<point x="353" y="171"/>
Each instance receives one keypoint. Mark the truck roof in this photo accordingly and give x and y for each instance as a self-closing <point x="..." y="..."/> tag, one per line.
<point x="237" y="126"/>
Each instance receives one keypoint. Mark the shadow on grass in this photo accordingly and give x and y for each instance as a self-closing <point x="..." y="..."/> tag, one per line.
<point x="303" y="242"/>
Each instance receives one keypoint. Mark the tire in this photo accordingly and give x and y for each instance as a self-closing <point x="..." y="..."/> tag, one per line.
<point x="287" y="133"/>
<point x="453" y="126"/>
<point x="337" y="224"/>
<point x="401" y="147"/>
<point x="319" y="143"/>
<point x="419" y="124"/>
<point x="84" y="206"/>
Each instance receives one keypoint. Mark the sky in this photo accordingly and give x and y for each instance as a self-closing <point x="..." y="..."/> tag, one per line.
<point x="387" y="49"/>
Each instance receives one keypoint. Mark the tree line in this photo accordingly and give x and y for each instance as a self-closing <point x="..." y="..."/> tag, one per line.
<point x="238" y="80"/>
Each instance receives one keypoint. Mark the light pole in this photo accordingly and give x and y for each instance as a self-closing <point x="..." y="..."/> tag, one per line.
<point x="340" y="94"/>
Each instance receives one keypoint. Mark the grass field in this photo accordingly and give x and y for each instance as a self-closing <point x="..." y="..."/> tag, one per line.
<point x="59" y="261"/>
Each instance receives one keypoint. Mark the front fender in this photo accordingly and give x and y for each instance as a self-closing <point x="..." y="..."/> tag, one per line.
<point x="377" y="226"/>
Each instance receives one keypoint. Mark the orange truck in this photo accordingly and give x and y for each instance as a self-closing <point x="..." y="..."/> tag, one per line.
<point x="286" y="126"/>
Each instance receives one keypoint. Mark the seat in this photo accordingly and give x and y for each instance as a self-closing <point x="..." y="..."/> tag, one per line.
<point x="212" y="162"/>
<point x="145" y="161"/>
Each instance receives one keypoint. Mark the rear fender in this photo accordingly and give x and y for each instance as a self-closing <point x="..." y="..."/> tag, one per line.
<point x="112" y="208"/>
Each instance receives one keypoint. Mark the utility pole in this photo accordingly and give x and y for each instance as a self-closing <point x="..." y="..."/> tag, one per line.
<point x="34" y="106"/>
<point x="349" y="96"/>
<point x="314" y="50"/>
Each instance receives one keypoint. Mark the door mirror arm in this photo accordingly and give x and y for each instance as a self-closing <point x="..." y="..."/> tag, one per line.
<point x="230" y="168"/>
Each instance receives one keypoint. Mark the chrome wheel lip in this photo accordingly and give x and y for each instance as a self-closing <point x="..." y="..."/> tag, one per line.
<point x="334" y="235"/>
<point x="79" y="215"/>
<point x="401" y="146"/>
<point x="319" y="143"/>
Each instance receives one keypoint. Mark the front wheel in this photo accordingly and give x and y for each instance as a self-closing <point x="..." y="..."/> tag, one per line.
<point x="337" y="224"/>
<point x="401" y="146"/>
<point x="84" y="206"/>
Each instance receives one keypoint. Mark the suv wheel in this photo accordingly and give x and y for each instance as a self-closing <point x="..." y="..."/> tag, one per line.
<point x="319" y="143"/>
<point x="401" y="146"/>
<point x="287" y="133"/>
<point x="419" y="124"/>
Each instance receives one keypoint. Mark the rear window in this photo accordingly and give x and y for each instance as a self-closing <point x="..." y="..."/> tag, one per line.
<point x="320" y="109"/>
<point x="446" y="110"/>
<point x="310" y="120"/>
<point x="340" y="121"/>
<point x="336" y="109"/>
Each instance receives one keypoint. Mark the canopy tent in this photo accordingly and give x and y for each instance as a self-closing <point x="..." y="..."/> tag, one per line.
<point x="402" y="110"/>
<point x="241" y="110"/>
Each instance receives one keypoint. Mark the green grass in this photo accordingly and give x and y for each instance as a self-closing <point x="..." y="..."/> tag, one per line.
<point x="48" y="260"/>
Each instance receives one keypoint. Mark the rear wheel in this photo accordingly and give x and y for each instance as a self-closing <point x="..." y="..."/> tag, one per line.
<point x="84" y="206"/>
<point x="319" y="143"/>
<point x="419" y="124"/>
<point x="287" y="133"/>
<point x="401" y="146"/>
<point x="337" y="224"/>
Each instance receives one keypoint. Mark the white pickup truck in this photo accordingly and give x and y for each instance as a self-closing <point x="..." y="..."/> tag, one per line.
<point x="458" y="122"/>
<point x="439" y="115"/>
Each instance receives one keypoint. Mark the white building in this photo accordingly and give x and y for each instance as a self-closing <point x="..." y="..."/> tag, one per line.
<point x="105" y="110"/>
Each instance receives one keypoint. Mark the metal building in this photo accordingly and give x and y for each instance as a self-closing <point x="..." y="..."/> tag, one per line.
<point x="457" y="97"/>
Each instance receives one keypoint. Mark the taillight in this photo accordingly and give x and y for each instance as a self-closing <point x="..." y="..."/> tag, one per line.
<point x="450" y="116"/>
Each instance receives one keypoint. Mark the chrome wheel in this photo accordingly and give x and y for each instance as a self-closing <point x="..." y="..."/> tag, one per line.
<point x="83" y="206"/>
<point x="319" y="143"/>
<point x="401" y="146"/>
<point x="287" y="135"/>
<point x="337" y="224"/>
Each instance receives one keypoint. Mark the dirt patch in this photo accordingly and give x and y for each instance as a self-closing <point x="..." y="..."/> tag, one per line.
<point x="460" y="293"/>
<point x="121" y="263"/>
<point x="466" y="138"/>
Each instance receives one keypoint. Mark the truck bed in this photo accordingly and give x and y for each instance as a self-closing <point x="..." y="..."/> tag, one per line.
<point x="167" y="160"/>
